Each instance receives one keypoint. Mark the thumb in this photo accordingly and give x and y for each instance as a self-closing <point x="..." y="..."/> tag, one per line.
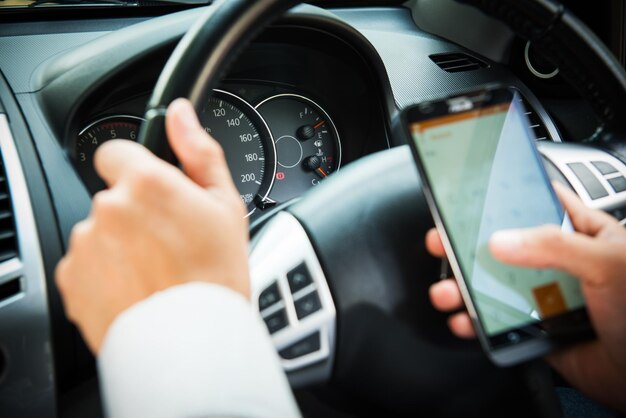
<point x="549" y="247"/>
<point x="201" y="156"/>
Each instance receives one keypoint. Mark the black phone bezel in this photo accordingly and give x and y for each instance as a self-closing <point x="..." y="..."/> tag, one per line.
<point x="516" y="344"/>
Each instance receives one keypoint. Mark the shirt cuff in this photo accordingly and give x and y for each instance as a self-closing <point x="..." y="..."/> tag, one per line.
<point x="196" y="349"/>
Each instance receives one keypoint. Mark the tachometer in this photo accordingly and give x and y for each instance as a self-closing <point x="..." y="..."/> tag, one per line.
<point x="247" y="142"/>
<point x="91" y="137"/>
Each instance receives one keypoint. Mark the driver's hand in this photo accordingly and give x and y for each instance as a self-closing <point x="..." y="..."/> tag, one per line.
<point x="155" y="227"/>
<point x="596" y="254"/>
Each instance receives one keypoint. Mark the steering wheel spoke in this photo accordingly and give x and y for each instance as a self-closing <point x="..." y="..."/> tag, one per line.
<point x="597" y="176"/>
<point x="291" y="293"/>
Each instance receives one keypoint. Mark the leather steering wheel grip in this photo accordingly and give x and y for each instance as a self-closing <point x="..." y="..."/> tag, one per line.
<point x="202" y="57"/>
<point x="583" y="59"/>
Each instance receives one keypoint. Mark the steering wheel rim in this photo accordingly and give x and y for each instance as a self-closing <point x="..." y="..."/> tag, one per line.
<point x="228" y="27"/>
<point x="201" y="57"/>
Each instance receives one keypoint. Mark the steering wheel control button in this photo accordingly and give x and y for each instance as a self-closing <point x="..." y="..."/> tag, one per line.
<point x="308" y="305"/>
<point x="299" y="278"/>
<point x="618" y="184"/>
<point x="595" y="174"/>
<point x="269" y="296"/>
<point x="276" y="321"/>
<point x="305" y="346"/>
<point x="589" y="181"/>
<point x="288" y="283"/>
<point x="604" y="168"/>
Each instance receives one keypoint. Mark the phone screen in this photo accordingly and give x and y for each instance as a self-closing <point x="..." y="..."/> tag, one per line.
<point x="485" y="175"/>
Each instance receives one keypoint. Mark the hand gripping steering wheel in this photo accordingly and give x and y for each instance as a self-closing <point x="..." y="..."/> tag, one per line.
<point x="347" y="261"/>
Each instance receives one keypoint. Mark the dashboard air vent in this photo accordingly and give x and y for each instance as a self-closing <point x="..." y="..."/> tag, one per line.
<point x="535" y="122"/>
<point x="8" y="241"/>
<point x="457" y="62"/>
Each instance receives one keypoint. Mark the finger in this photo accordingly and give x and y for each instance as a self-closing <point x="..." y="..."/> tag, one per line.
<point x="201" y="156"/>
<point x="461" y="325"/>
<point x="434" y="244"/>
<point x="586" y="220"/>
<point x="549" y="247"/>
<point x="115" y="159"/>
<point x="446" y="296"/>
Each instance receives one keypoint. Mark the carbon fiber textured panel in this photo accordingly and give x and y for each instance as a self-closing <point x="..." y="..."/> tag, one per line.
<point x="415" y="77"/>
<point x="21" y="55"/>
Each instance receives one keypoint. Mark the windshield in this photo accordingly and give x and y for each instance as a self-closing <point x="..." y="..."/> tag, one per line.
<point x="22" y="4"/>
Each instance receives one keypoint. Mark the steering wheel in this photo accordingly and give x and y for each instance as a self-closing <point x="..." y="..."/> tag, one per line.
<point x="347" y="261"/>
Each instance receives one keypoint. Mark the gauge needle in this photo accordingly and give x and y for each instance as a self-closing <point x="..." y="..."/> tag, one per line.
<point x="318" y="124"/>
<point x="321" y="172"/>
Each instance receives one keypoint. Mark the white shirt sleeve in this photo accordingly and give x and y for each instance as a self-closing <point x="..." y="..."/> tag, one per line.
<point x="194" y="350"/>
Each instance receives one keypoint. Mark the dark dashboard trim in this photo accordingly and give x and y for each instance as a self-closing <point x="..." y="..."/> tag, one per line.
<point x="60" y="199"/>
<point x="67" y="26"/>
<point x="63" y="334"/>
<point x="58" y="14"/>
<point x="71" y="76"/>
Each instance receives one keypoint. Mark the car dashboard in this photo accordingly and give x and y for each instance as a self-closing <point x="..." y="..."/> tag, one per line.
<point x="357" y="70"/>
<point x="317" y="91"/>
<point x="288" y="114"/>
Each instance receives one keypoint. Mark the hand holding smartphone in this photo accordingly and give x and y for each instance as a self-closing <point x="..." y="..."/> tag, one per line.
<point x="481" y="173"/>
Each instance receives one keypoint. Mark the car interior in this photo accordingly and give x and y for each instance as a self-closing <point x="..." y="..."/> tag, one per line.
<point x="306" y="100"/>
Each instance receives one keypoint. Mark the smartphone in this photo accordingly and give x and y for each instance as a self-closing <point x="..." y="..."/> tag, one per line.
<point x="481" y="172"/>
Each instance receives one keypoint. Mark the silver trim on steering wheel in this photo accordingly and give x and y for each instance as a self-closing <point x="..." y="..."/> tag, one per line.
<point x="565" y="156"/>
<point x="280" y="250"/>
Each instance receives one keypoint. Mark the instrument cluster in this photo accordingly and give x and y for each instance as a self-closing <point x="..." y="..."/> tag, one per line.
<point x="277" y="147"/>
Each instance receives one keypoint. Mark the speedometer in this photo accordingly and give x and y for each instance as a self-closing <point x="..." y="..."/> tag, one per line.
<point x="247" y="143"/>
